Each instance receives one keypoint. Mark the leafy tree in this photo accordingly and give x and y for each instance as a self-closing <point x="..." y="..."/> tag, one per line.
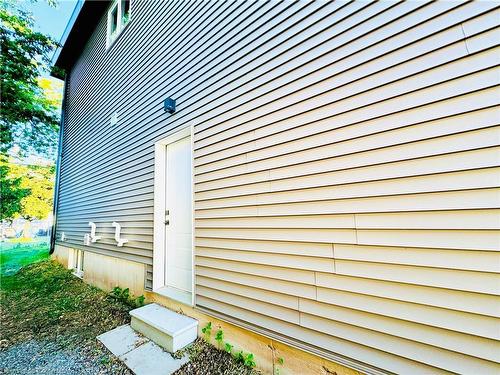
<point x="29" y="112"/>
<point x="26" y="113"/>
<point x="11" y="192"/>
<point x="40" y="182"/>
<point x="52" y="90"/>
<point x="27" y="190"/>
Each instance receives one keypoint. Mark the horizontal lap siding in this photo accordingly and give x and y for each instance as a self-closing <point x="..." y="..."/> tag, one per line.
<point x="346" y="168"/>
<point x="107" y="172"/>
<point x="351" y="200"/>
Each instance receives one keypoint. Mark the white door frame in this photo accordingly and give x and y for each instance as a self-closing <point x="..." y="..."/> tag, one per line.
<point x="159" y="243"/>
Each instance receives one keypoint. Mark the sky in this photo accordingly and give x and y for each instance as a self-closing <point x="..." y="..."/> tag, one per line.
<point x="50" y="20"/>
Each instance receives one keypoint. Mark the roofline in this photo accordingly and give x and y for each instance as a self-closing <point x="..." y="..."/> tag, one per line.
<point x="82" y="23"/>
<point x="67" y="30"/>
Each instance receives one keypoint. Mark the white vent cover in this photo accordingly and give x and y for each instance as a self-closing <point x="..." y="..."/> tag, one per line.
<point x="114" y="119"/>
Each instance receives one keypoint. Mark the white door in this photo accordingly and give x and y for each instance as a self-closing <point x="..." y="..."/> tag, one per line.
<point x="178" y="219"/>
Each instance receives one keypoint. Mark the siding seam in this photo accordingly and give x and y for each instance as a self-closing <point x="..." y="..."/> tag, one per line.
<point x="465" y="38"/>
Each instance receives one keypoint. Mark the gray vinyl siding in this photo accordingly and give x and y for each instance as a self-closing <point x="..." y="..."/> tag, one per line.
<point x="346" y="168"/>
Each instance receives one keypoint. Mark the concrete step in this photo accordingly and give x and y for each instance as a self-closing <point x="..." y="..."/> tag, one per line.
<point x="170" y="330"/>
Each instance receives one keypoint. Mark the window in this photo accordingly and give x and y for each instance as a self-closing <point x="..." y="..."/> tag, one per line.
<point x="118" y="18"/>
<point x="75" y="262"/>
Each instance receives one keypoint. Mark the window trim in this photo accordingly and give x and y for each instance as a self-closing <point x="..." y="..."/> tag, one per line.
<point x="120" y="26"/>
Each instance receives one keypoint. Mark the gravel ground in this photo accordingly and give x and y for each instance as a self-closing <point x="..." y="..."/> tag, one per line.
<point x="34" y="357"/>
<point x="49" y="320"/>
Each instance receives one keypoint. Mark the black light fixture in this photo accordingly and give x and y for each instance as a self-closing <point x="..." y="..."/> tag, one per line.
<point x="169" y="105"/>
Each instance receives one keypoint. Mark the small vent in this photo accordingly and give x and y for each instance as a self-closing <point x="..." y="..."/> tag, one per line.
<point x="148" y="277"/>
<point x="114" y="119"/>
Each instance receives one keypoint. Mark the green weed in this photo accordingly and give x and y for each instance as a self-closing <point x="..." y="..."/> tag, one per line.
<point x="240" y="358"/>
<point x="249" y="360"/>
<point x="207" y="331"/>
<point x="228" y="347"/>
<point x="219" y="337"/>
<point x="125" y="296"/>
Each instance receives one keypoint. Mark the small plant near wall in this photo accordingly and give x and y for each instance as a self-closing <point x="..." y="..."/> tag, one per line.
<point x="207" y="331"/>
<point x="125" y="296"/>
<point x="247" y="359"/>
<point x="228" y="348"/>
<point x="250" y="360"/>
<point x="139" y="301"/>
<point x="219" y="337"/>
<point x="120" y="293"/>
<point x="281" y="362"/>
<point x="240" y="358"/>
<point x="278" y="362"/>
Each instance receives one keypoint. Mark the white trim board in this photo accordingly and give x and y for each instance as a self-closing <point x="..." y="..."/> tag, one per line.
<point x="159" y="214"/>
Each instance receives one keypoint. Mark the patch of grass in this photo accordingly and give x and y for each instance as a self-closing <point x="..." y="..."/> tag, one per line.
<point x="16" y="254"/>
<point x="44" y="301"/>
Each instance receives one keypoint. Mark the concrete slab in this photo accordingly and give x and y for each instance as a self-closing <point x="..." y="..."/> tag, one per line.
<point x="140" y="354"/>
<point x="150" y="359"/>
<point x="121" y="340"/>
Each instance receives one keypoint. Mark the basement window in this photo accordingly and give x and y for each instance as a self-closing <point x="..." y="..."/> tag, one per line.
<point x="76" y="262"/>
<point x="118" y="18"/>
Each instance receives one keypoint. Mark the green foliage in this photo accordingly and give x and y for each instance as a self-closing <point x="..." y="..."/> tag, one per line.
<point x="105" y="360"/>
<point x="228" y="348"/>
<point x="120" y="293"/>
<point x="281" y="361"/>
<point x="29" y="114"/>
<point x="26" y="190"/>
<point x="246" y="359"/>
<point x="40" y="181"/>
<point x="11" y="192"/>
<point x="26" y="113"/>
<point x="140" y="300"/>
<point x="240" y="358"/>
<point x="250" y="361"/>
<point x="207" y="331"/>
<point x="124" y="296"/>
<point x="219" y="337"/>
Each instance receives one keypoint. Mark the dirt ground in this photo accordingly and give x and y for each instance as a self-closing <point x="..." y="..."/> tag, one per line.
<point x="49" y="320"/>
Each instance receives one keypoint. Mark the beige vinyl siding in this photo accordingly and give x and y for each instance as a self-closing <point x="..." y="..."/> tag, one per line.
<point x="347" y="168"/>
<point x="352" y="202"/>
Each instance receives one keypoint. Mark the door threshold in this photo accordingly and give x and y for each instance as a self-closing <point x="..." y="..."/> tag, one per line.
<point x="175" y="294"/>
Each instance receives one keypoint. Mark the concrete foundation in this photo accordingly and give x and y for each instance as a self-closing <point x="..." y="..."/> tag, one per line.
<point x="107" y="272"/>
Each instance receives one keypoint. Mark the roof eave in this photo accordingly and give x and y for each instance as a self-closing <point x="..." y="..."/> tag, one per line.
<point x="80" y="26"/>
